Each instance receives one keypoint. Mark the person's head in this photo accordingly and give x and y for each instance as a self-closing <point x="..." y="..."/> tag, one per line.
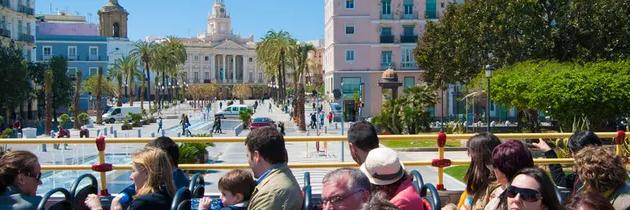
<point x="344" y="188"/>
<point x="508" y="158"/>
<point x="169" y="146"/>
<point x="151" y="171"/>
<point x="532" y="189"/>
<point x="265" y="147"/>
<point x="581" y="139"/>
<point x="599" y="169"/>
<point x="236" y="186"/>
<point x="21" y="171"/>
<point x="384" y="170"/>
<point x="362" y="138"/>
<point x="480" y="174"/>
<point x="589" y="201"/>
<point x="380" y="202"/>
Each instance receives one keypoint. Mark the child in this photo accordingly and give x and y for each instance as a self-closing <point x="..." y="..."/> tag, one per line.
<point x="236" y="189"/>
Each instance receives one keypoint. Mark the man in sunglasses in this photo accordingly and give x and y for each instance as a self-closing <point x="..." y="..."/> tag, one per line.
<point x="345" y="188"/>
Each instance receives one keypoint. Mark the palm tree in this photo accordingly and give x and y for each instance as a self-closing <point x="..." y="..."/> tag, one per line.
<point x="128" y="66"/>
<point x="75" y="101"/>
<point x="169" y="55"/>
<point x="48" y="92"/>
<point x="299" y="57"/>
<point x="117" y="73"/>
<point x="144" y="51"/>
<point x="272" y="52"/>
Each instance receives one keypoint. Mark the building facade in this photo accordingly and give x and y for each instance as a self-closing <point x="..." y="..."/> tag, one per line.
<point x="219" y="56"/>
<point x="17" y="24"/>
<point x="364" y="38"/>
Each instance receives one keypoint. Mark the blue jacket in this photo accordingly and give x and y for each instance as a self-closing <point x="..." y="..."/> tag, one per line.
<point x="13" y="200"/>
<point x="179" y="177"/>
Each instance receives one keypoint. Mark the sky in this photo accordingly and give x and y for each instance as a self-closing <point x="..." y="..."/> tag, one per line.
<point x="303" y="19"/>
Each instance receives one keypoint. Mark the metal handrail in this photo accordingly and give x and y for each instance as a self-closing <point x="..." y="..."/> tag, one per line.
<point x="144" y="140"/>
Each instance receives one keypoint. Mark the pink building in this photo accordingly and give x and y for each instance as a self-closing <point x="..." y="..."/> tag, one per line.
<point x="363" y="38"/>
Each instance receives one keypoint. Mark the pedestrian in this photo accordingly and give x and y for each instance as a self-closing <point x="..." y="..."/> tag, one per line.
<point x="160" y="124"/>
<point x="313" y="105"/>
<point x="281" y="125"/>
<point x="220" y="105"/>
<point x="321" y="119"/>
<point x="330" y="118"/>
<point x="313" y="120"/>
<point x="217" y="125"/>
<point x="255" y="105"/>
<point x="269" y="106"/>
<point x="184" y="122"/>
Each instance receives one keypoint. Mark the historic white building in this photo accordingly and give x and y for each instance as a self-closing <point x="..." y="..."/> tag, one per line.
<point x="219" y="56"/>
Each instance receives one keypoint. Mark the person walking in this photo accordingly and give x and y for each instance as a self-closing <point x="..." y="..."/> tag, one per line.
<point x="160" y="124"/>
<point x="269" y="106"/>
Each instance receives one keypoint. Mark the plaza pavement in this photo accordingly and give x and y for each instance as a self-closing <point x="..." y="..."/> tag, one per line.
<point x="222" y="152"/>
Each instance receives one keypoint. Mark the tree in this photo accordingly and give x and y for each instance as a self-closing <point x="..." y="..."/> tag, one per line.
<point x="14" y="81"/>
<point x="62" y="87"/>
<point x="144" y="51"/>
<point x="242" y="91"/>
<point x="99" y="90"/>
<point x="591" y="94"/>
<point x="128" y="67"/>
<point x="299" y="61"/>
<point x="272" y="52"/>
<point x="409" y="113"/>
<point x="168" y="55"/>
<point x="116" y="72"/>
<point x="77" y="95"/>
<point x="48" y="91"/>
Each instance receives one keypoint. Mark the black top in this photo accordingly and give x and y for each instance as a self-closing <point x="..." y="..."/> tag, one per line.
<point x="561" y="179"/>
<point x="152" y="201"/>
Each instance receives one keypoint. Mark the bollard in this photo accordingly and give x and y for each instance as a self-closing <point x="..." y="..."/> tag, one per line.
<point x="179" y="134"/>
<point x="152" y="135"/>
<point x="139" y="133"/>
<point x="111" y="128"/>
<point x="105" y="131"/>
<point x="115" y="134"/>
<point x="163" y="132"/>
<point x="325" y="129"/>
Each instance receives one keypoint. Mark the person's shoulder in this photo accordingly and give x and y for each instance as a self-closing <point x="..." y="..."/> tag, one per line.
<point x="152" y="199"/>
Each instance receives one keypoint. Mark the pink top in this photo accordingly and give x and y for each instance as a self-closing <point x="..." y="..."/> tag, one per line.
<point x="406" y="197"/>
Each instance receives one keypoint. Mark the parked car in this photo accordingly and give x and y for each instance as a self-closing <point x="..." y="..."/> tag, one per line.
<point x="232" y="111"/>
<point x="258" y="122"/>
<point x="120" y="113"/>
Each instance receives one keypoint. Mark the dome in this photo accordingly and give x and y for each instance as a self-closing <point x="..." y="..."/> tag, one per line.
<point x="389" y="74"/>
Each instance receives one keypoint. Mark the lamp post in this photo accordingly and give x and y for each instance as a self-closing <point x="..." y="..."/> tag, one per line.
<point x="343" y="115"/>
<point x="360" y="105"/>
<point x="489" y="70"/>
<point x="126" y="92"/>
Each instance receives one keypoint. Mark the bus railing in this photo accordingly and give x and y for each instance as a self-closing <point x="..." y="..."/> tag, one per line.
<point x="440" y="162"/>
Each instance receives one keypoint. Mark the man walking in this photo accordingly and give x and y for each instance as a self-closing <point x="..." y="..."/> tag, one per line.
<point x="276" y="187"/>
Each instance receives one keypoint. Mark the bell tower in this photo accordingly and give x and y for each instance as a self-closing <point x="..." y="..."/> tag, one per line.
<point x="113" y="20"/>
<point x="219" y="22"/>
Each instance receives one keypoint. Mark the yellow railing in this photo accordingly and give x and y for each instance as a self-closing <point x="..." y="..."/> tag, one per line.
<point x="449" y="137"/>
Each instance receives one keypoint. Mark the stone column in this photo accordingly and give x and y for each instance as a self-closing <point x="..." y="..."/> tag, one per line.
<point x="245" y="70"/>
<point x="224" y="68"/>
<point x="234" y="68"/>
<point x="212" y="68"/>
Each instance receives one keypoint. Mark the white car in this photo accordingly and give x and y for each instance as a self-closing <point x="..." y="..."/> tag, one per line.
<point x="232" y="111"/>
<point x="120" y="113"/>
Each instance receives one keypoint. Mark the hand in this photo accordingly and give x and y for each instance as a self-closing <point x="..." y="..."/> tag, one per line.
<point x="542" y="145"/>
<point x="204" y="203"/>
<point x="449" y="206"/>
<point x="93" y="202"/>
<point x="115" y="205"/>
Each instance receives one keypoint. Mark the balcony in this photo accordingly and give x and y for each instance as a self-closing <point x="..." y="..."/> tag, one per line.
<point x="408" y="65"/>
<point x="94" y="58"/>
<point x="409" y="16"/>
<point x="387" y="39"/>
<point x="26" y="10"/>
<point x="388" y="65"/>
<point x="26" y="38"/>
<point x="408" y="38"/>
<point x="387" y="16"/>
<point x="5" y="33"/>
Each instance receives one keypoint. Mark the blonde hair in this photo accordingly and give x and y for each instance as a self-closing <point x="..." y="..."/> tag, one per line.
<point x="157" y="165"/>
<point x="599" y="169"/>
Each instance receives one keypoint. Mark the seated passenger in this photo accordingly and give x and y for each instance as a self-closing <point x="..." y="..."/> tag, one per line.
<point x="589" y="201"/>
<point x="167" y="145"/>
<point x="577" y="141"/>
<point x="507" y="159"/>
<point x="602" y="172"/>
<point x="236" y="188"/>
<point x="480" y="179"/>
<point x="344" y="188"/>
<point x="20" y="174"/>
<point x="532" y="189"/>
<point x="152" y="177"/>
<point x="387" y="174"/>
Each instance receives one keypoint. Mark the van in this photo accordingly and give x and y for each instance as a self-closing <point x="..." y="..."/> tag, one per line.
<point x="231" y="111"/>
<point x="120" y="113"/>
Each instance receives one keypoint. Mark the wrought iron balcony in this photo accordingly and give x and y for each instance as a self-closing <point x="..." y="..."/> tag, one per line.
<point x="26" y="38"/>
<point x="26" y="10"/>
<point x="388" y="65"/>
<point x="408" y="38"/>
<point x="409" y="16"/>
<point x="387" y="16"/>
<point x="408" y="65"/>
<point x="387" y="39"/>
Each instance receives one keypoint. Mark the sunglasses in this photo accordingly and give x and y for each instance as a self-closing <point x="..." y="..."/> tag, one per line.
<point x="526" y="194"/>
<point x="338" y="199"/>
<point x="38" y="177"/>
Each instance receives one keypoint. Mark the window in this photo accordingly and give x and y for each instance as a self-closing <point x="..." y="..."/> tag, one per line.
<point x="408" y="30"/>
<point x="46" y="52"/>
<point x="185" y="76"/>
<point x="196" y="57"/>
<point x="349" y="29"/>
<point x="431" y="10"/>
<point x="93" y="70"/>
<point x="251" y="60"/>
<point x="93" y="53"/>
<point x="349" y="56"/>
<point x="407" y="61"/>
<point x="19" y="27"/>
<point x="386" y="8"/>
<point x="386" y="59"/>
<point x="349" y="4"/>
<point x="71" y="71"/>
<point x="409" y="82"/>
<point x="28" y="28"/>
<point x="206" y="58"/>
<point x="408" y="7"/>
<point x="350" y="85"/>
<point x="72" y="53"/>
<point x="386" y="31"/>
<point x="196" y="77"/>
<point x="206" y="75"/>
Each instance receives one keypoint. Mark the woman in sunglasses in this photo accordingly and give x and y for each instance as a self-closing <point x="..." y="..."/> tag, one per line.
<point x="532" y="189"/>
<point x="507" y="160"/>
<point x="20" y="174"/>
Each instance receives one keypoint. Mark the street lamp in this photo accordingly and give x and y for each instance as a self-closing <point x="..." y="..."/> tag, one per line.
<point x="489" y="70"/>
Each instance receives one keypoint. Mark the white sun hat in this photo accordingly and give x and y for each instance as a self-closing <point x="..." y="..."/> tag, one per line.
<point x="383" y="167"/>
